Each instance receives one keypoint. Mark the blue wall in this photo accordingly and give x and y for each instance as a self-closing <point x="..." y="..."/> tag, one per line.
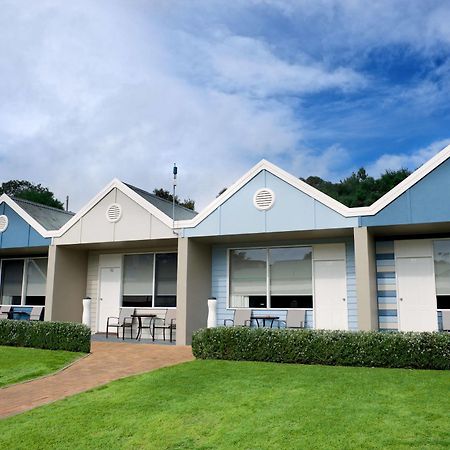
<point x="19" y="233"/>
<point x="427" y="201"/>
<point x="292" y="210"/>
<point x="219" y="285"/>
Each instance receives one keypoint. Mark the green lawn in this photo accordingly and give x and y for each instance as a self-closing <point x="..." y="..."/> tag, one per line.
<point x="244" y="405"/>
<point x="20" y="364"/>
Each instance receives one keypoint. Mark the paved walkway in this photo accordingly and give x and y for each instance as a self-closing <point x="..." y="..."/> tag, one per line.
<point x="107" y="362"/>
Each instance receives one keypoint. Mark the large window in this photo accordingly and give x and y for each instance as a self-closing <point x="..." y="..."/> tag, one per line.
<point x="442" y="273"/>
<point x="150" y="280"/>
<point x="271" y="278"/>
<point x="23" y="281"/>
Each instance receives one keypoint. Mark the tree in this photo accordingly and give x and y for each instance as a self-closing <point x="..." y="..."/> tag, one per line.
<point x="359" y="189"/>
<point x="29" y="191"/>
<point x="166" y="195"/>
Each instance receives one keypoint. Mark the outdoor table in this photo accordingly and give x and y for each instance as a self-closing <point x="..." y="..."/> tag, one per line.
<point x="139" y="317"/>
<point x="264" y="318"/>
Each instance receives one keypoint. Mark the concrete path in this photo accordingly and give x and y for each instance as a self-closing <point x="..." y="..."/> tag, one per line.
<point x="107" y="362"/>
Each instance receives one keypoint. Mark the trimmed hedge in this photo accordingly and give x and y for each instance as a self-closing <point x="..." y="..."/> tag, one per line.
<point x="73" y="337"/>
<point x="343" y="348"/>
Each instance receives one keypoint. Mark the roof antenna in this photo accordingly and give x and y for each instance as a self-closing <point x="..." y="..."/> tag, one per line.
<point x="67" y="203"/>
<point x="175" y="171"/>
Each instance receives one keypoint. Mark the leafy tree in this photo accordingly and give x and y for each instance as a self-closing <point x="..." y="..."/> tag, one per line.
<point x="166" y="195"/>
<point x="359" y="189"/>
<point x="29" y="191"/>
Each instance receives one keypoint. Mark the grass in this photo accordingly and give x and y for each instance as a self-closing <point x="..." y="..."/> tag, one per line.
<point x="20" y="364"/>
<point x="246" y="405"/>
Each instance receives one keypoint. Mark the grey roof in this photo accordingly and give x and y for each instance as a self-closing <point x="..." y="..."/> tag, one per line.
<point x="181" y="213"/>
<point x="50" y="218"/>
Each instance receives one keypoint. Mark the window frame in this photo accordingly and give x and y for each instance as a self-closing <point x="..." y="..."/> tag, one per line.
<point x="153" y="307"/>
<point x="268" y="296"/>
<point x="23" y="295"/>
<point x="434" y="271"/>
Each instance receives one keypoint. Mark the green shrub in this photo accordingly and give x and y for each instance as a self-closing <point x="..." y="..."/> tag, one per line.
<point x="344" y="348"/>
<point x="73" y="337"/>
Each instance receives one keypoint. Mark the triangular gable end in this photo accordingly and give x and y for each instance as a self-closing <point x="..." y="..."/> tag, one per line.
<point x="116" y="213"/>
<point x="277" y="172"/>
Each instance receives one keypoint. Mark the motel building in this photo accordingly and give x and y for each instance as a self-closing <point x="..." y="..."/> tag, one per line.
<point x="269" y="243"/>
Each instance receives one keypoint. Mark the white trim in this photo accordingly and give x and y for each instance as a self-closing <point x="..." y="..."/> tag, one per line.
<point x="116" y="184"/>
<point x="4" y="198"/>
<point x="326" y="200"/>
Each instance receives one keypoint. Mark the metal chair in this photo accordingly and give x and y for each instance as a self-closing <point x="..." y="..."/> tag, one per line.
<point x="36" y="312"/>
<point x="123" y="321"/>
<point x="242" y="318"/>
<point x="294" y="319"/>
<point x="446" y="320"/>
<point x="4" y="311"/>
<point x="168" y="322"/>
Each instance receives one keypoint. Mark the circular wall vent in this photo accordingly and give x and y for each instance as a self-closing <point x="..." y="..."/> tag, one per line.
<point x="114" y="212"/>
<point x="264" y="199"/>
<point x="3" y="223"/>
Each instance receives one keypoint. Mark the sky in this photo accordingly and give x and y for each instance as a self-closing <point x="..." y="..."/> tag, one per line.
<point x="99" y="89"/>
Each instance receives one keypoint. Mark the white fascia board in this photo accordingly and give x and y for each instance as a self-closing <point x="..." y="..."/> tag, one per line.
<point x="115" y="184"/>
<point x="4" y="198"/>
<point x="406" y="184"/>
<point x="326" y="200"/>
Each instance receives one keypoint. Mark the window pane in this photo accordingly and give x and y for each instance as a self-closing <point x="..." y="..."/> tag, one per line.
<point x="11" y="282"/>
<point x="166" y="280"/>
<point x="248" y="278"/>
<point x="137" y="301"/>
<point x="36" y="280"/>
<point x="290" y="277"/>
<point x="442" y="267"/>
<point x="443" y="302"/>
<point x="137" y="280"/>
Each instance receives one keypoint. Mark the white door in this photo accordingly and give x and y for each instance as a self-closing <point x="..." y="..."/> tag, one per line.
<point x="109" y="295"/>
<point x="330" y="295"/>
<point x="416" y="294"/>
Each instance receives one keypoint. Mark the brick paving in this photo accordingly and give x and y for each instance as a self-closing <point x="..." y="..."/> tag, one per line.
<point x="108" y="361"/>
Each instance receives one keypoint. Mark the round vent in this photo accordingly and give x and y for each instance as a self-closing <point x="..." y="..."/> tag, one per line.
<point x="3" y="223"/>
<point x="114" y="212"/>
<point x="264" y="199"/>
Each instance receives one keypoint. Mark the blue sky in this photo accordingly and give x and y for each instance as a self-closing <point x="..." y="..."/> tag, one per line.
<point x="96" y="89"/>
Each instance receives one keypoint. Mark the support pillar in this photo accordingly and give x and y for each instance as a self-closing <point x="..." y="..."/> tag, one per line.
<point x="366" y="281"/>
<point x="193" y="287"/>
<point x="66" y="284"/>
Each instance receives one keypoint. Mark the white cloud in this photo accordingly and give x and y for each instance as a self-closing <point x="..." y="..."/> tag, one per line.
<point x="406" y="160"/>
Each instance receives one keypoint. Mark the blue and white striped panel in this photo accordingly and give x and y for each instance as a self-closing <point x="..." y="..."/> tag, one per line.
<point x="386" y="286"/>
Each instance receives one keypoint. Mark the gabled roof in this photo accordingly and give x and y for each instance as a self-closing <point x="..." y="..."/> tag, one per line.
<point x="159" y="209"/>
<point x="181" y="213"/>
<point x="325" y="199"/>
<point x="44" y="219"/>
<point x="50" y="218"/>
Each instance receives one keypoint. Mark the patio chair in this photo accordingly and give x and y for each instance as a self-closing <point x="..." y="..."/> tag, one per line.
<point x="36" y="312"/>
<point x="294" y="319"/>
<point x="123" y="321"/>
<point x="168" y="322"/>
<point x="446" y="321"/>
<point x="242" y="318"/>
<point x="4" y="311"/>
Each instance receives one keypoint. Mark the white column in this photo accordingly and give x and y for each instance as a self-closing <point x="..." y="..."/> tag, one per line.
<point x="87" y="311"/>
<point x="212" y="312"/>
